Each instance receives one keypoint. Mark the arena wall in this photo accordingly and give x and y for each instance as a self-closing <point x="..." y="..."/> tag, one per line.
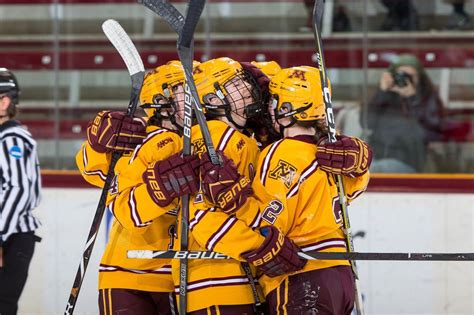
<point x="389" y="221"/>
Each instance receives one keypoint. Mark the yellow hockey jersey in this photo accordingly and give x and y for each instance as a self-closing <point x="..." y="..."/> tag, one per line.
<point x="295" y="195"/>
<point x="134" y="211"/>
<point x="217" y="282"/>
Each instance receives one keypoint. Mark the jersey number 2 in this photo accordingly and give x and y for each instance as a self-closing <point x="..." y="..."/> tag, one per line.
<point x="274" y="208"/>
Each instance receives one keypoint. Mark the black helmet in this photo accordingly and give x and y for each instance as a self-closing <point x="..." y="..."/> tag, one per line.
<point x="9" y="84"/>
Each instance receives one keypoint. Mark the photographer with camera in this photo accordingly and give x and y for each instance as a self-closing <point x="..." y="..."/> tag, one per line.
<point x="403" y="116"/>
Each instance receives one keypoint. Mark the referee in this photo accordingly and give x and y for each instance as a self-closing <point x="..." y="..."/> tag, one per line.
<point x="21" y="184"/>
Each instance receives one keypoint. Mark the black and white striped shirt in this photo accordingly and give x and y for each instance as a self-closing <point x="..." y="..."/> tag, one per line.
<point x="20" y="180"/>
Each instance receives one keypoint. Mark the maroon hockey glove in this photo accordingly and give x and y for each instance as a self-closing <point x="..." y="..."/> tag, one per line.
<point x="114" y="131"/>
<point x="171" y="178"/>
<point x="348" y="156"/>
<point x="262" y="80"/>
<point x="223" y="185"/>
<point x="277" y="255"/>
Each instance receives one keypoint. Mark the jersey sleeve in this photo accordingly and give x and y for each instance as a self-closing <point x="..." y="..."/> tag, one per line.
<point x="132" y="205"/>
<point x="92" y="165"/>
<point x="355" y="186"/>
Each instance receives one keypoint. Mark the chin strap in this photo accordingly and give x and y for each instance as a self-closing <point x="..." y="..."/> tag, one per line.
<point x="283" y="127"/>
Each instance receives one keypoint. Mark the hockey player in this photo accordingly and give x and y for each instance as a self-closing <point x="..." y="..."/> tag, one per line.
<point x="231" y="93"/>
<point x="128" y="285"/>
<point x="295" y="191"/>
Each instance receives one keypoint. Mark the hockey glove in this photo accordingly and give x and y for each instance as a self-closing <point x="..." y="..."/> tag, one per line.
<point x="223" y="185"/>
<point x="114" y="131"/>
<point x="277" y="255"/>
<point x="347" y="156"/>
<point x="171" y="178"/>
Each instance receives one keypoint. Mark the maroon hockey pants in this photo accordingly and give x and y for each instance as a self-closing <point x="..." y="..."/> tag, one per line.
<point x="132" y="302"/>
<point x="322" y="292"/>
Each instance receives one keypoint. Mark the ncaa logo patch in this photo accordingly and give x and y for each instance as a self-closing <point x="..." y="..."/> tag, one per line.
<point x="15" y="152"/>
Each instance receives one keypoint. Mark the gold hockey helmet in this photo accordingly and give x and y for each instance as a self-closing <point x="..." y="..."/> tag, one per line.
<point x="157" y="89"/>
<point x="211" y="76"/>
<point x="296" y="92"/>
<point x="269" y="68"/>
<point x="237" y="91"/>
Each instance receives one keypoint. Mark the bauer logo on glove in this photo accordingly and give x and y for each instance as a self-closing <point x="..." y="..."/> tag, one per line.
<point x="272" y="253"/>
<point x="115" y="131"/>
<point x="226" y="200"/>
<point x="171" y="178"/>
<point x="277" y="255"/>
<point x="223" y="185"/>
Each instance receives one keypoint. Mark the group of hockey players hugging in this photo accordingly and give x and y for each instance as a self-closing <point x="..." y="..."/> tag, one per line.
<point x="273" y="195"/>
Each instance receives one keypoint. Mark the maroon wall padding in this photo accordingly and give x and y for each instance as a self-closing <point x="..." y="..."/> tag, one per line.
<point x="74" y="59"/>
<point x="417" y="183"/>
<point x="63" y="179"/>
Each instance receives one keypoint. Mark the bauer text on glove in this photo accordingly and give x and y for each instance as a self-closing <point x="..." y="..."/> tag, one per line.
<point x="171" y="178"/>
<point x="115" y="131"/>
<point x="223" y="185"/>
<point x="277" y="255"/>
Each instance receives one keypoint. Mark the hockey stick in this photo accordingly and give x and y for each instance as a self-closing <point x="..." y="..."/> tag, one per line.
<point x="157" y="254"/>
<point x="167" y="12"/>
<point x="173" y="17"/>
<point x="127" y="50"/>
<point x="186" y="57"/>
<point x="317" y="22"/>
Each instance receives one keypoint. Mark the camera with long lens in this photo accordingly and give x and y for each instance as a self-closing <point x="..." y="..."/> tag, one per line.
<point x="401" y="79"/>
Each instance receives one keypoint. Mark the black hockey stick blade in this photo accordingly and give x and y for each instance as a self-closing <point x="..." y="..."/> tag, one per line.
<point x="193" y="14"/>
<point x="185" y="53"/>
<point x="151" y="254"/>
<point x="167" y="11"/>
<point x="127" y="50"/>
<point x="318" y="11"/>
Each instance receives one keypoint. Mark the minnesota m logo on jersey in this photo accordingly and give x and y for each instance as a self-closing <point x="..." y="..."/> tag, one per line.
<point x="198" y="146"/>
<point x="283" y="171"/>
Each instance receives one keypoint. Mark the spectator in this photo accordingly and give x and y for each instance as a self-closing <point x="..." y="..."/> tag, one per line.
<point x="459" y="20"/>
<point x="20" y="193"/>
<point x="340" y="19"/>
<point x="401" y="16"/>
<point x="403" y="116"/>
